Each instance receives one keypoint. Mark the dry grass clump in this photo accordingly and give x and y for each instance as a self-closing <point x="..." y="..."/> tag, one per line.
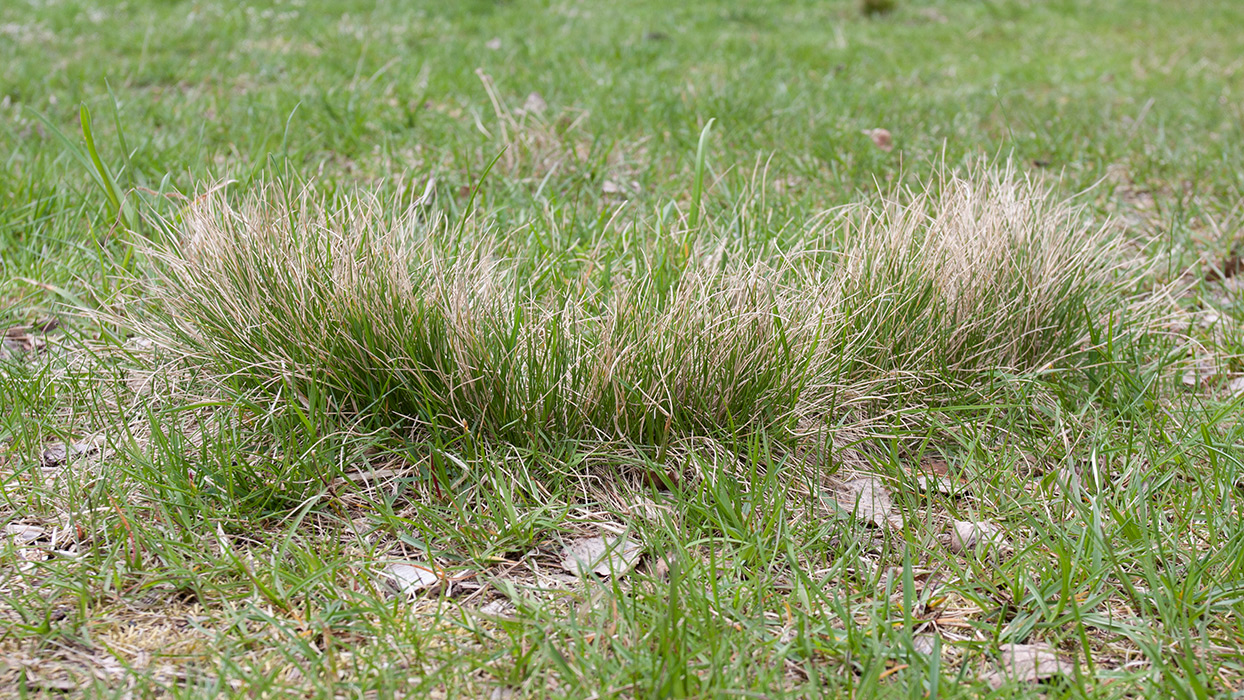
<point x="409" y="320"/>
<point x="985" y="272"/>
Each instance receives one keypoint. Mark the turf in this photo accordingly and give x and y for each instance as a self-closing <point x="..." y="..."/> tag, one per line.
<point x="185" y="521"/>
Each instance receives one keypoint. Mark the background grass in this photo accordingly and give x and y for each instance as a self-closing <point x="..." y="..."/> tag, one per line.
<point x="213" y="540"/>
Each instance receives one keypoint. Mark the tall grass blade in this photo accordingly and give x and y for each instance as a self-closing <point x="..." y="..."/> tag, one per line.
<point x="105" y="178"/>
<point x="697" y="185"/>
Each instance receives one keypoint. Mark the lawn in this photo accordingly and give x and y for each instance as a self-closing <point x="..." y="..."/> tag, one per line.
<point x="506" y="349"/>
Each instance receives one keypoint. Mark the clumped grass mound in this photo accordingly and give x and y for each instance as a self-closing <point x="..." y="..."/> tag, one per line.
<point x="981" y="273"/>
<point x="407" y="319"/>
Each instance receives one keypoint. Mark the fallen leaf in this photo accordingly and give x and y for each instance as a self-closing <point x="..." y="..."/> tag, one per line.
<point x="924" y="643"/>
<point x="535" y="104"/>
<point x="1201" y="372"/>
<point x="411" y="577"/>
<point x="1027" y="663"/>
<point x="935" y="475"/>
<point x="605" y="557"/>
<point x="60" y="452"/>
<point x="661" y="567"/>
<point x="867" y="499"/>
<point x="1069" y="478"/>
<point x="648" y="510"/>
<point x="1228" y="267"/>
<point x="881" y="138"/>
<point x="19" y="340"/>
<point x="140" y="343"/>
<point x="966" y="535"/>
<point x="501" y="692"/>
<point x="493" y="44"/>
<point x="1030" y="464"/>
<point x="497" y="608"/>
<point x="611" y="187"/>
<point x="1207" y="319"/>
<point x="24" y="533"/>
<point x="1236" y="387"/>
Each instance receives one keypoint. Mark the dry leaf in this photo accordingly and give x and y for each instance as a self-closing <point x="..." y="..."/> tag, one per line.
<point x="1201" y="372"/>
<point x="1027" y="663"/>
<point x="411" y="577"/>
<point x="1069" y="478"/>
<point x="661" y="567"/>
<point x="140" y="343"/>
<point x="966" y="535"/>
<point x="1030" y="464"/>
<point x="493" y="44"/>
<point x="867" y="499"/>
<point x="1206" y="319"/>
<point x="611" y="187"/>
<point x="24" y="533"/>
<point x="497" y="608"/>
<point x="648" y="510"/>
<point x="1236" y="387"/>
<point x="924" y="643"/>
<point x="881" y="139"/>
<point x="1230" y="266"/>
<point x="58" y="453"/>
<point x="534" y="104"/>
<point x="935" y="475"/>
<point x="605" y="557"/>
<point x="18" y="341"/>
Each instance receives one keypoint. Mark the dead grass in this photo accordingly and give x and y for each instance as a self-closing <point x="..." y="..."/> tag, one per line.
<point x="405" y="317"/>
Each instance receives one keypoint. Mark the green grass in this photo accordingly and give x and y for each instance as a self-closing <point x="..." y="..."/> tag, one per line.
<point x="454" y="324"/>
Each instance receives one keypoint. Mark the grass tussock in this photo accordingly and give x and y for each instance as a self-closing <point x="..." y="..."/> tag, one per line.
<point x="982" y="273"/>
<point x="408" y="319"/>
